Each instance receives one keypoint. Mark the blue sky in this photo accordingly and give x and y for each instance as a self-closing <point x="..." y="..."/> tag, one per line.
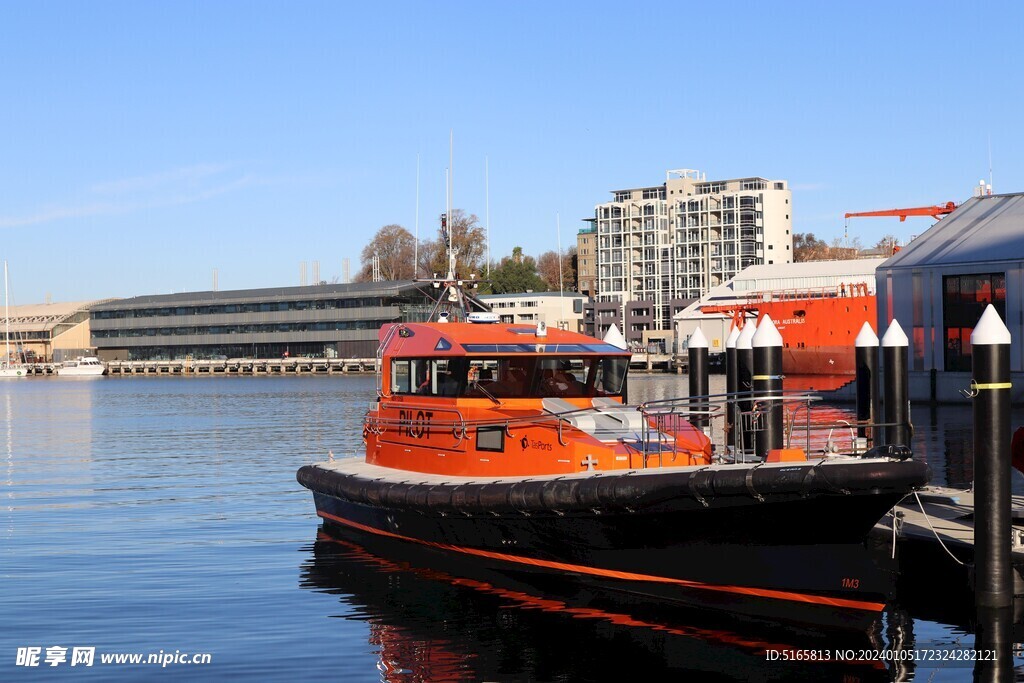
<point x="146" y="143"/>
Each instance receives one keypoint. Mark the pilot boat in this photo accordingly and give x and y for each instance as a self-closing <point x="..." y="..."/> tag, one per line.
<point x="515" y="446"/>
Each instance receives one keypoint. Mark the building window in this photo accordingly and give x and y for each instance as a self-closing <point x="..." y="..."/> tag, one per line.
<point x="964" y="299"/>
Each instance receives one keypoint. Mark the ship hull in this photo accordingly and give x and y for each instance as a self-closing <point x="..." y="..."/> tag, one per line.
<point x="818" y="360"/>
<point x="818" y="333"/>
<point x="787" y="549"/>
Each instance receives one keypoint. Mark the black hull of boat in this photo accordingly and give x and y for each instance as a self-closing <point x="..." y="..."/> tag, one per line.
<point x="782" y="542"/>
<point x="447" y="607"/>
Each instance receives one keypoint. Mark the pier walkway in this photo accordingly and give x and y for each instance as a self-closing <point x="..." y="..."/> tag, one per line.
<point x="242" y="366"/>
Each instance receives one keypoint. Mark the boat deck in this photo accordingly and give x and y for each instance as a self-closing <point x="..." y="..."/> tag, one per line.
<point x="356" y="466"/>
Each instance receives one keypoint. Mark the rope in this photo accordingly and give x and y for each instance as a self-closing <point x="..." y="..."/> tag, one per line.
<point x="937" y="537"/>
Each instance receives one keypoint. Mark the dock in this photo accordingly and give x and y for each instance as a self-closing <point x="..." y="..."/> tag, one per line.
<point x="243" y="366"/>
<point x="934" y="536"/>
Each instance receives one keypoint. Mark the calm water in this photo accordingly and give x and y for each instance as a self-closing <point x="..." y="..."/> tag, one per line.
<point x="144" y="515"/>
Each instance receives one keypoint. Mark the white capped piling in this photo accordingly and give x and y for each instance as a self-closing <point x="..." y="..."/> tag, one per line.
<point x="866" y="367"/>
<point x="731" y="383"/>
<point x="990" y="389"/>
<point x="744" y="380"/>
<point x="767" y="381"/>
<point x="697" y="350"/>
<point x="615" y="338"/>
<point x="897" y="378"/>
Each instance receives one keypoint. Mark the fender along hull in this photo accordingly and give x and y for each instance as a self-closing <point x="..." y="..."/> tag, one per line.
<point x="783" y="543"/>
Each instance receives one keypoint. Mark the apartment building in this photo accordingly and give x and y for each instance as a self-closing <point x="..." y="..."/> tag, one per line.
<point x="661" y="247"/>
<point x="586" y="261"/>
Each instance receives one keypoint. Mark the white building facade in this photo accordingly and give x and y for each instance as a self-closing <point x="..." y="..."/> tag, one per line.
<point x="555" y="310"/>
<point x="668" y="244"/>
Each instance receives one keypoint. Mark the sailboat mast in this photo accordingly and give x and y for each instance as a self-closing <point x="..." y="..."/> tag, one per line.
<point x="7" y="322"/>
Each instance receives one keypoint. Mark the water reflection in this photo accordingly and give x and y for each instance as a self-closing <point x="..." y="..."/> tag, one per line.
<point x="431" y="619"/>
<point x="944" y="438"/>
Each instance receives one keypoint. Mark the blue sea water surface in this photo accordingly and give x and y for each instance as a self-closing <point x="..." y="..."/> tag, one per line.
<point x="156" y="515"/>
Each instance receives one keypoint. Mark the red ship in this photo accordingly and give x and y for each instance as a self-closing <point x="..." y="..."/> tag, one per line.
<point x="818" y="326"/>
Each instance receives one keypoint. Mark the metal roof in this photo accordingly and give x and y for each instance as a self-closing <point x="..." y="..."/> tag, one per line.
<point x="802" y="269"/>
<point x="41" y="317"/>
<point x="981" y="230"/>
<point x="805" y="275"/>
<point x="268" y="294"/>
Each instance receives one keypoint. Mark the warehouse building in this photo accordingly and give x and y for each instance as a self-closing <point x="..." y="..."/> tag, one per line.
<point x="321" y="321"/>
<point x="52" y="332"/>
<point x="938" y="286"/>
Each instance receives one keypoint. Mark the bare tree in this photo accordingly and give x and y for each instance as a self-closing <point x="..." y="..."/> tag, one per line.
<point x="394" y="247"/>
<point x="807" y="247"/>
<point x="468" y="240"/>
<point x="888" y="244"/>
<point x="547" y="268"/>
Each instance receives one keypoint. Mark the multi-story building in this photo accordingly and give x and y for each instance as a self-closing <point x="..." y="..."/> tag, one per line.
<point x="586" y="261"/>
<point x="554" y="309"/>
<point x="327" y="321"/>
<point x="661" y="247"/>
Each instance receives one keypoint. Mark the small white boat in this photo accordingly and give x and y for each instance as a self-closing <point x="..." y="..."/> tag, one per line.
<point x="83" y="366"/>
<point x="12" y="370"/>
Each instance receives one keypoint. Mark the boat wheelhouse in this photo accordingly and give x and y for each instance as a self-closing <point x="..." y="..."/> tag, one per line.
<point x="496" y="400"/>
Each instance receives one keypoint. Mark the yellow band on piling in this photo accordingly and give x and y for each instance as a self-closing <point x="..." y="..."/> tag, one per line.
<point x="991" y="385"/>
<point x="767" y="377"/>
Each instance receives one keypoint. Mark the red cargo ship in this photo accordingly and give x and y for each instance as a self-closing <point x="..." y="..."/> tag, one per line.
<point x="818" y="326"/>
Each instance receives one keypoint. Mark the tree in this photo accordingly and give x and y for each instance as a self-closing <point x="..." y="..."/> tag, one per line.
<point x="468" y="240"/>
<point x="888" y="244"/>
<point x="393" y="246"/>
<point x="806" y="247"/>
<point x="516" y="273"/>
<point x="547" y="268"/>
<point x="840" y="252"/>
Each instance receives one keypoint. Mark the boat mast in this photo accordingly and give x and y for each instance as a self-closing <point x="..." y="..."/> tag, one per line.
<point x="7" y="322"/>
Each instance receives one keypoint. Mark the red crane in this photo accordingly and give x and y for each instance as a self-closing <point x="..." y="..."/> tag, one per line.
<point x="935" y="212"/>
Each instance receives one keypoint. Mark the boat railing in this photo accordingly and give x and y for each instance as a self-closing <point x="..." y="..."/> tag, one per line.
<point x="804" y="425"/>
<point x="378" y="425"/>
<point x="661" y="420"/>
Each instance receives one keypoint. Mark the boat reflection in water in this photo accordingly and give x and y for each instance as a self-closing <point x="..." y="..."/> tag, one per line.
<point x="434" y="618"/>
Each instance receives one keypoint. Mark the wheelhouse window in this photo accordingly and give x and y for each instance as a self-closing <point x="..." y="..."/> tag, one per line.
<point x="964" y="299"/>
<point x="510" y="377"/>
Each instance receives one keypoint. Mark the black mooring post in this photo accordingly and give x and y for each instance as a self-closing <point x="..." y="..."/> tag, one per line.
<point x="994" y="644"/>
<point x="866" y="364"/>
<point x="990" y="384"/>
<point x="767" y="345"/>
<point x="697" y="349"/>
<point x="897" y="379"/>
<point x="745" y="382"/>
<point x="731" y="383"/>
